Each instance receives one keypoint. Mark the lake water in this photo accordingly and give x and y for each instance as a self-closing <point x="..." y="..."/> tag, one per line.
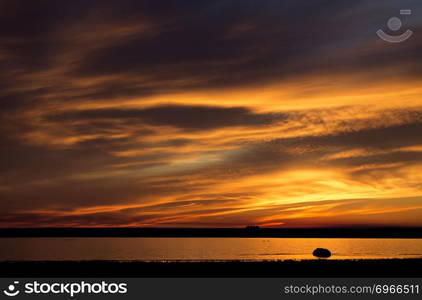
<point x="202" y="249"/>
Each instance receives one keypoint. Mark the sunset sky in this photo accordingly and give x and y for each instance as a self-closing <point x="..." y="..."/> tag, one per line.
<point x="209" y="113"/>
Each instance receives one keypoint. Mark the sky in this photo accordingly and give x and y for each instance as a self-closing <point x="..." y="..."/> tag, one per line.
<point x="193" y="113"/>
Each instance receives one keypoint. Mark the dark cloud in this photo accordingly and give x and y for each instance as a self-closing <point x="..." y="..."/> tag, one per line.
<point x="377" y="138"/>
<point x="232" y="44"/>
<point x="198" y="44"/>
<point x="83" y="220"/>
<point x="405" y="157"/>
<point x="309" y="151"/>
<point x="186" y="117"/>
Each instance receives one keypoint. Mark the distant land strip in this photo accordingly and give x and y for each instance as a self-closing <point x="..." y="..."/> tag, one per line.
<point x="248" y="232"/>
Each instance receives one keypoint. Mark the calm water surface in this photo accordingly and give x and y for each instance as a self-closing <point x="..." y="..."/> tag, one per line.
<point x="153" y="249"/>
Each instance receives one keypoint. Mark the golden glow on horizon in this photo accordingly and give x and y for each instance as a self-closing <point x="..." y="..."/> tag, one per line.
<point x="293" y="185"/>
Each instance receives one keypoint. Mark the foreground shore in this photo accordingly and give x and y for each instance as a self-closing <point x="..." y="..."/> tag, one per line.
<point x="308" y="268"/>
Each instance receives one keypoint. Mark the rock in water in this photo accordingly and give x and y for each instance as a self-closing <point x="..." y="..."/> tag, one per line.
<point x="321" y="253"/>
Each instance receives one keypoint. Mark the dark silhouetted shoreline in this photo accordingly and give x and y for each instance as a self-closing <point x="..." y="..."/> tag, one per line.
<point x="247" y="269"/>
